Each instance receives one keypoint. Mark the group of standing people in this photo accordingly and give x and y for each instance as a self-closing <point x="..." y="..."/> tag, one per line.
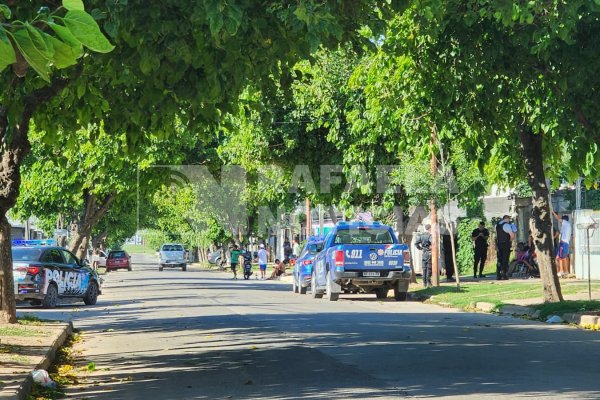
<point x="237" y="258"/>
<point x="505" y="236"/>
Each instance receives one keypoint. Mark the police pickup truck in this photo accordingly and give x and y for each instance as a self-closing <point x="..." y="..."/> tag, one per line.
<point x="361" y="257"/>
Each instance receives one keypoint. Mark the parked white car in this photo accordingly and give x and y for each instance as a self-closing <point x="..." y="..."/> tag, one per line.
<point x="172" y="255"/>
<point x="99" y="260"/>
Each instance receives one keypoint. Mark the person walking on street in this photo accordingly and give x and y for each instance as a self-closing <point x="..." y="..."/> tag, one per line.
<point x="424" y="244"/>
<point x="563" y="260"/>
<point x="262" y="261"/>
<point x="504" y="238"/>
<point x="480" y="240"/>
<point x="235" y="257"/>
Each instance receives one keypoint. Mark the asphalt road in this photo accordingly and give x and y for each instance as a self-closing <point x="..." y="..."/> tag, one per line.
<point x="201" y="335"/>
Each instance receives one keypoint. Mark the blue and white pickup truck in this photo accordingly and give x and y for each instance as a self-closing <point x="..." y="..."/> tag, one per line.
<point x="361" y="257"/>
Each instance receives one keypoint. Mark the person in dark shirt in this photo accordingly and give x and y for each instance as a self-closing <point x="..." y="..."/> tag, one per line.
<point x="423" y="243"/>
<point x="480" y="238"/>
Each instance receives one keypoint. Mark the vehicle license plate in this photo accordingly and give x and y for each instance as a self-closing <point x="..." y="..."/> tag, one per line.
<point x="374" y="264"/>
<point x="371" y="273"/>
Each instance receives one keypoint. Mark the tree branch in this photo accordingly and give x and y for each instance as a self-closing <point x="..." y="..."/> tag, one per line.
<point x="582" y="119"/>
<point x="32" y="102"/>
<point x="3" y="122"/>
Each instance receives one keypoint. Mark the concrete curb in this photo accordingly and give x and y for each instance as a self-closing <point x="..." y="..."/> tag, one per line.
<point x="582" y="320"/>
<point x="21" y="391"/>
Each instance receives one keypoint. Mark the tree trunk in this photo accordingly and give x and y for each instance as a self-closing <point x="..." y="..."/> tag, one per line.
<point x="14" y="146"/>
<point x="399" y="223"/>
<point x="11" y="157"/>
<point x="435" y="229"/>
<point x="541" y="220"/>
<point x="7" y="290"/>
<point x="99" y="239"/>
<point x="87" y="220"/>
<point x="332" y="215"/>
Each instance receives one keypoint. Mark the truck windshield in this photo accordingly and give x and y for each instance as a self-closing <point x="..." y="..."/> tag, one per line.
<point x="363" y="236"/>
<point x="173" y="247"/>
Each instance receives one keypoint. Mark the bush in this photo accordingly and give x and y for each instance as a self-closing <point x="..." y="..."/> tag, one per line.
<point x="465" y="254"/>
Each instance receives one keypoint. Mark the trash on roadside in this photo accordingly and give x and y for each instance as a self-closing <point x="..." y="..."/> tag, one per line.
<point x="554" y="319"/>
<point x="41" y="377"/>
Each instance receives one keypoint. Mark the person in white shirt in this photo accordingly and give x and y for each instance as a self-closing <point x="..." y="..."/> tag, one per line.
<point x="563" y="261"/>
<point x="262" y="261"/>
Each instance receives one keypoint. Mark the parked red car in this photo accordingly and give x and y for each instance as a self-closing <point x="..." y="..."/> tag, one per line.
<point x="118" y="259"/>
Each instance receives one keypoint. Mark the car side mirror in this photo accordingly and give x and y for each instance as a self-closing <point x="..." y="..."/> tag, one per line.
<point x="84" y="263"/>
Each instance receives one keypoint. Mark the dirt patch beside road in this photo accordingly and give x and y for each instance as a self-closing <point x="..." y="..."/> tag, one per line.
<point x="24" y="347"/>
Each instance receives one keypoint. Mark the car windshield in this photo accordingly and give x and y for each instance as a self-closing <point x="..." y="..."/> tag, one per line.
<point x="172" y="247"/>
<point x="363" y="236"/>
<point x="117" y="254"/>
<point x="24" y="254"/>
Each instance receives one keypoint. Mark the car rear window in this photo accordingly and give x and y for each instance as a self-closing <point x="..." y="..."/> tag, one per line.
<point x="172" y="247"/>
<point x="363" y="236"/>
<point x="26" y="254"/>
<point x="117" y="254"/>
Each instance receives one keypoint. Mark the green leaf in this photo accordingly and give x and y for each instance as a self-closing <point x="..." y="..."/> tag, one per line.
<point x="7" y="52"/>
<point x="4" y="10"/>
<point x="66" y="36"/>
<point x="64" y="55"/>
<point x="73" y="5"/>
<point x="38" y="61"/>
<point x="81" y="89"/>
<point x="37" y="38"/>
<point x="86" y="30"/>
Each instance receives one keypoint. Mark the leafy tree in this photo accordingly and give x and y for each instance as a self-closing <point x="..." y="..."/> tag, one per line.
<point x="184" y="61"/>
<point x="508" y="80"/>
<point x="42" y="40"/>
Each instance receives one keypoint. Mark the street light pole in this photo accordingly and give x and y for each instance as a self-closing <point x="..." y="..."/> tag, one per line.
<point x="589" y="264"/>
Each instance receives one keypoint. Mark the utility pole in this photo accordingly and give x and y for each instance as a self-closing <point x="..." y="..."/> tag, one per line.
<point x="308" y="218"/>
<point x="435" y="230"/>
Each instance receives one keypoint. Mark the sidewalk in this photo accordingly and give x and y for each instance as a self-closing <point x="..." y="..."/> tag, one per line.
<point x="23" y="348"/>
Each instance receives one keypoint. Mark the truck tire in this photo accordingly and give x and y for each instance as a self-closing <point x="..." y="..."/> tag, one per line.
<point x="91" y="295"/>
<point x="400" y="296"/>
<point x="313" y="288"/>
<point x="381" y="293"/>
<point x="183" y="267"/>
<point x="51" y="298"/>
<point x="331" y="296"/>
<point x="160" y="267"/>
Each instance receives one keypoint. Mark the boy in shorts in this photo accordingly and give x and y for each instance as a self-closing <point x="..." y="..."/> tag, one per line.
<point x="235" y="256"/>
<point x="262" y="261"/>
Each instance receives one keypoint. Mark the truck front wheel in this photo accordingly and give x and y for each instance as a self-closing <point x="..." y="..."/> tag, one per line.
<point x="400" y="295"/>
